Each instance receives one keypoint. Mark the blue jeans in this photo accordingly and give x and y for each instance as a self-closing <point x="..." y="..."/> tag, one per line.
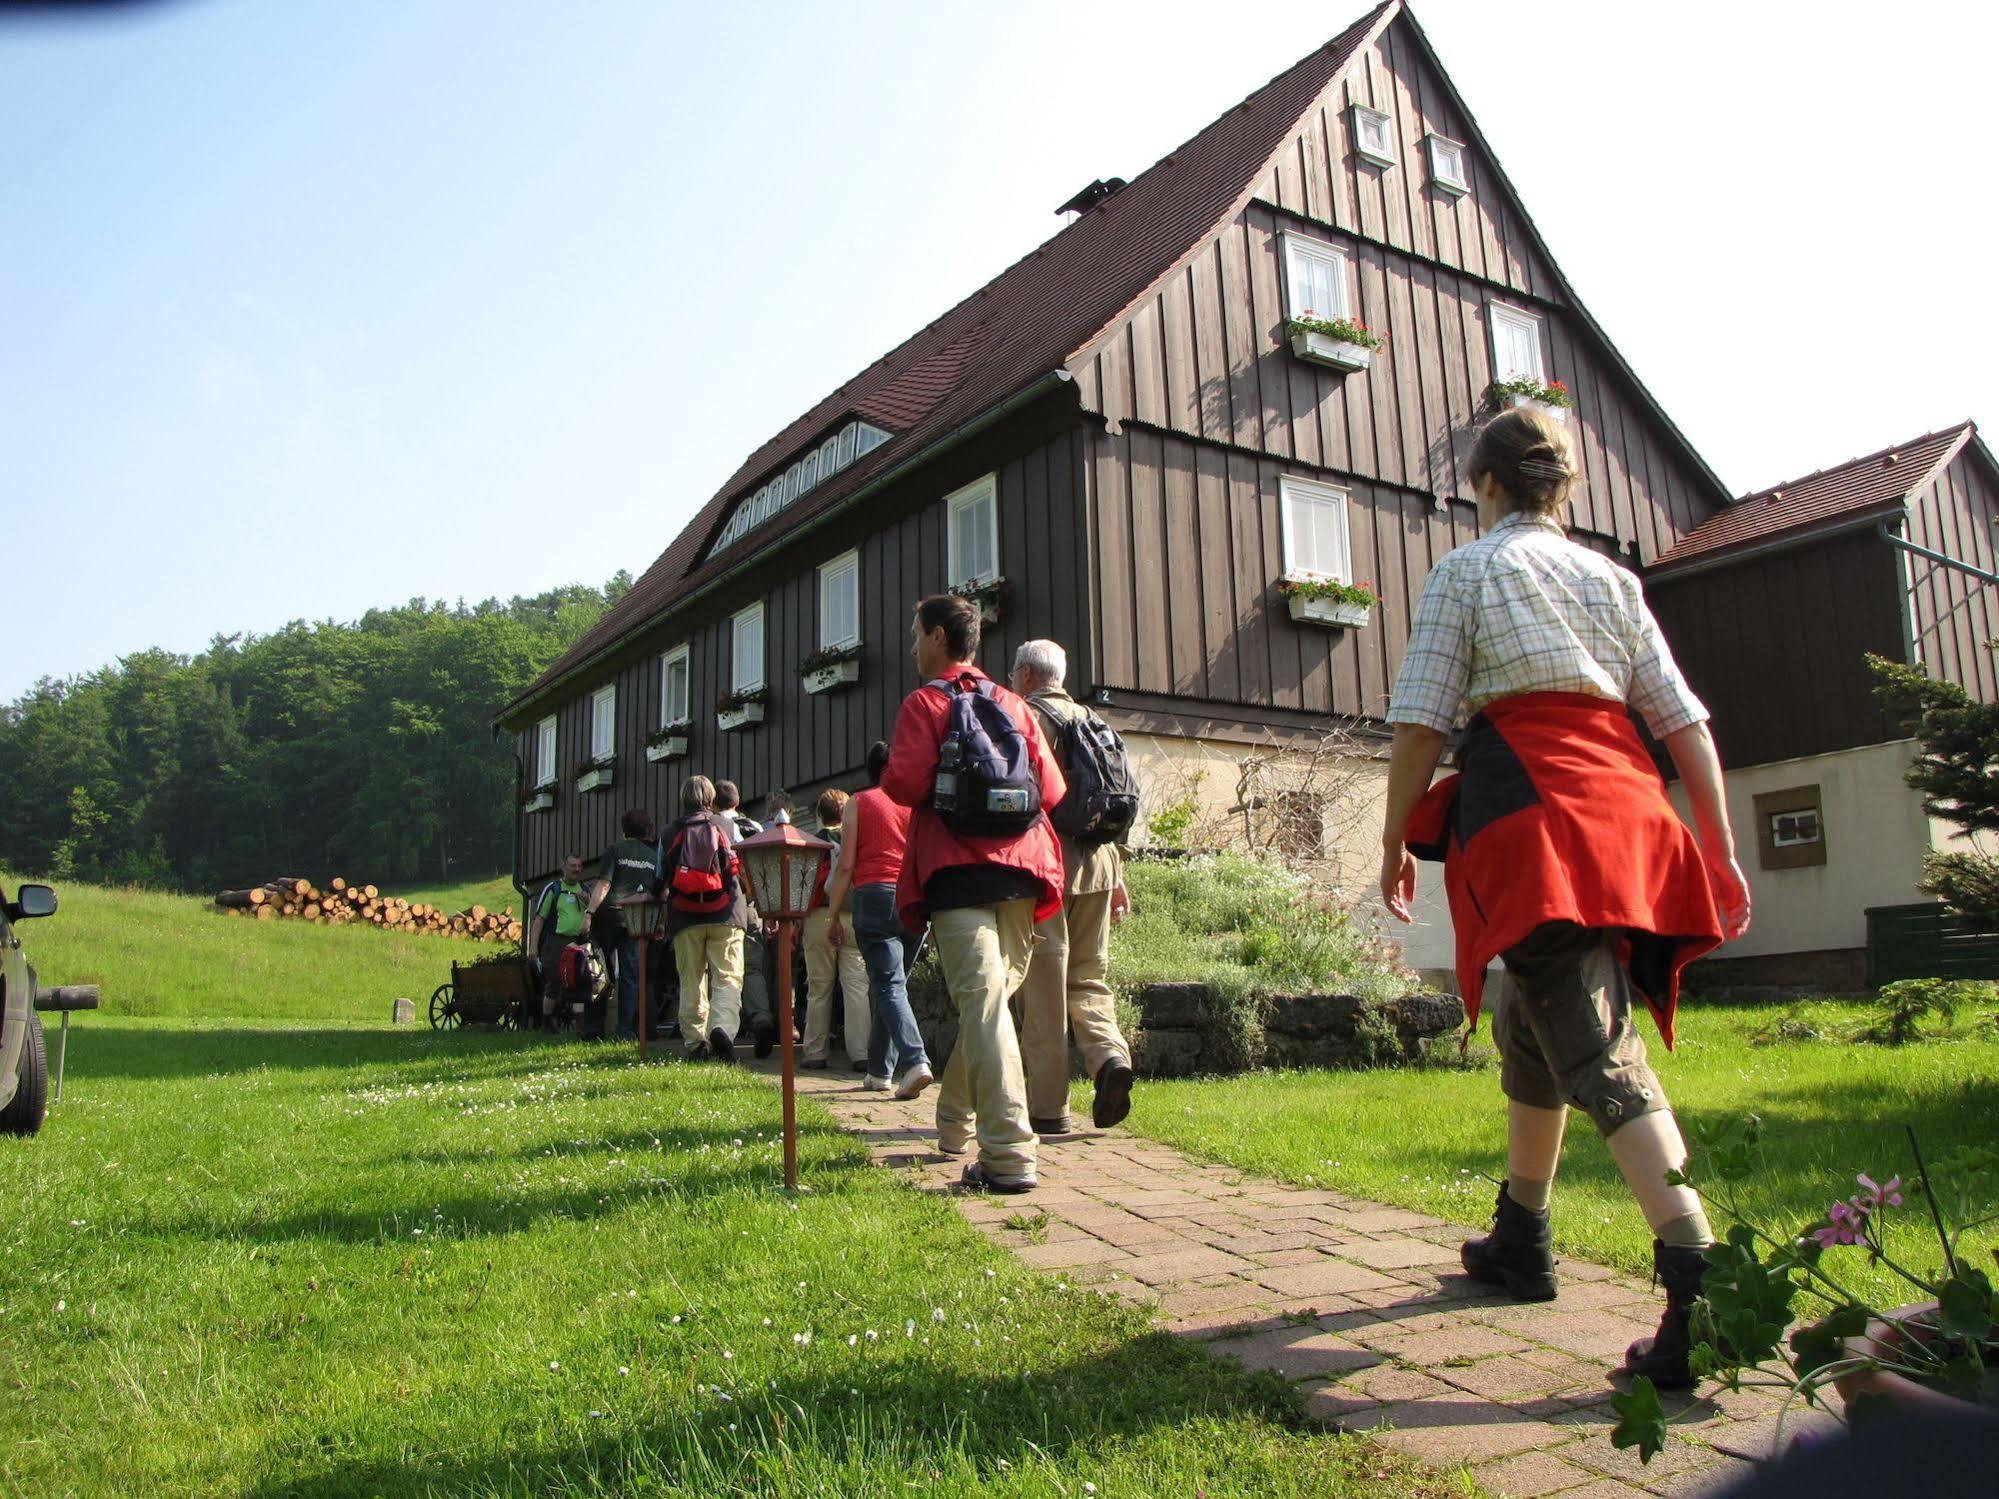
<point x="893" y="1039"/>
<point x="628" y="987"/>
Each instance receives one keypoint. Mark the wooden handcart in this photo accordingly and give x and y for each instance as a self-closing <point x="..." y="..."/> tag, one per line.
<point x="497" y="992"/>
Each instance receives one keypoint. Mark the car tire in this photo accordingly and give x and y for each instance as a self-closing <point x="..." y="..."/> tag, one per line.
<point x="30" y="1104"/>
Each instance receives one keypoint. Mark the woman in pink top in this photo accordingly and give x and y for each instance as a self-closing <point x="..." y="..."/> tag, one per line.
<point x="873" y="833"/>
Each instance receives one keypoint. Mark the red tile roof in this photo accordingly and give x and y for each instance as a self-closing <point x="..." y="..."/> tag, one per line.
<point x="1013" y="332"/>
<point x="1879" y="481"/>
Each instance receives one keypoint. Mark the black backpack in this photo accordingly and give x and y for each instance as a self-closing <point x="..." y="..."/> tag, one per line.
<point x="987" y="785"/>
<point x="1102" y="804"/>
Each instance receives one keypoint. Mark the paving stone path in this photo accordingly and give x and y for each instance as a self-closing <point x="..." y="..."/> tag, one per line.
<point x="1364" y="1306"/>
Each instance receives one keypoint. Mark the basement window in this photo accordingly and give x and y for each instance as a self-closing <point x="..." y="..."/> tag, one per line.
<point x="1372" y="140"/>
<point x="1448" y="165"/>
<point x="1790" y="828"/>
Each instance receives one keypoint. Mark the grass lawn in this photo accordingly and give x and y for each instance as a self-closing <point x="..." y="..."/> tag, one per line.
<point x="301" y="1252"/>
<point x="1420" y="1138"/>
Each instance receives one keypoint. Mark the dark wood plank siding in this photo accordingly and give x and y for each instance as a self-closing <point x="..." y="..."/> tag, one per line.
<point x="1954" y="616"/>
<point x="807" y="741"/>
<point x="1774" y="646"/>
<point x="1190" y="609"/>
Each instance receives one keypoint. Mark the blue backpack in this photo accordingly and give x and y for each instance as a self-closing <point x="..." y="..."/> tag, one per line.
<point x="987" y="785"/>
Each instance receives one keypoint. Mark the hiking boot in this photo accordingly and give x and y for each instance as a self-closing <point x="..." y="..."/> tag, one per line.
<point x="1662" y="1358"/>
<point x="914" y="1081"/>
<point x="1517" y="1254"/>
<point x="763" y="1033"/>
<point x="1061" y="1125"/>
<point x="978" y="1179"/>
<point x="1113" y="1097"/>
<point x="720" y="1046"/>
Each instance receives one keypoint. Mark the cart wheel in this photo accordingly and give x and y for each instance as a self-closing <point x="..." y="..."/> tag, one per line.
<point x="443" y="1014"/>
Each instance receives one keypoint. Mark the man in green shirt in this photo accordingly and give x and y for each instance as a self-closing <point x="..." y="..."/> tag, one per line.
<point x="561" y="915"/>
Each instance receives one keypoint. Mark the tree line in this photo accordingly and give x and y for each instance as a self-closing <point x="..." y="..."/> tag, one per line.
<point x="363" y="746"/>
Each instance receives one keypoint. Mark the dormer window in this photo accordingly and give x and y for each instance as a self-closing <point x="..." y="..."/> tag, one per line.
<point x="1447" y="165"/>
<point x="809" y="471"/>
<point x="1372" y="140"/>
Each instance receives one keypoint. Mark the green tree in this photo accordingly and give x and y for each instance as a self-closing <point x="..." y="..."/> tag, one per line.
<point x="1957" y="771"/>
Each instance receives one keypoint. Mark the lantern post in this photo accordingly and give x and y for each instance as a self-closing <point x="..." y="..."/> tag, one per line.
<point x="782" y="865"/>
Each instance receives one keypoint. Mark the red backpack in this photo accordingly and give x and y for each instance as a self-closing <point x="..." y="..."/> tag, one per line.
<point x="704" y="870"/>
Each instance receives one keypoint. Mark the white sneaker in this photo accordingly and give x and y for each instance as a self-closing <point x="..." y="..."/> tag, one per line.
<point x="875" y="1084"/>
<point x="914" y="1081"/>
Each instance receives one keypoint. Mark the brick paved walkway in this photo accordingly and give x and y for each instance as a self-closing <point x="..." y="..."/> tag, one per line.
<point x="1362" y="1305"/>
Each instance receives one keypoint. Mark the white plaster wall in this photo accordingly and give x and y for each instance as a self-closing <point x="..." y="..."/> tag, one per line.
<point x="1876" y="835"/>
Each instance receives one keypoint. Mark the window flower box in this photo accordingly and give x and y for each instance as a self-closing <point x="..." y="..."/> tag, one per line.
<point x="1337" y="343"/>
<point x="541" y="799"/>
<point x="989" y="595"/>
<point x="828" y="671"/>
<point x="594" y="775"/>
<point x="1339" y="606"/>
<point x="741" y="710"/>
<point x="1530" y="394"/>
<point x="670" y="743"/>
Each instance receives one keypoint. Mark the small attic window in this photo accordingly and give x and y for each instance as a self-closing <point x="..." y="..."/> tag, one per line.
<point x="1447" y="165"/>
<point x="1372" y="140"/>
<point x="818" y="464"/>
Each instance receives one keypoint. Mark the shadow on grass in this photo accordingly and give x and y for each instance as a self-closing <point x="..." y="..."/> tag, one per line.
<point x="891" y="1428"/>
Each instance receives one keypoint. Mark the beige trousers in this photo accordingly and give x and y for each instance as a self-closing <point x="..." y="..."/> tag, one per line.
<point x="710" y="960"/>
<point x="822" y="965"/>
<point x="985" y="951"/>
<point x="1066" y="990"/>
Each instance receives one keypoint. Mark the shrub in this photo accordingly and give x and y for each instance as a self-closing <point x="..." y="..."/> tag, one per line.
<point x="1168" y="827"/>
<point x="1904" y="1007"/>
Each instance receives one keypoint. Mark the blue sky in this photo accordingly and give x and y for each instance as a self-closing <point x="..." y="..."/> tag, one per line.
<point x="313" y="305"/>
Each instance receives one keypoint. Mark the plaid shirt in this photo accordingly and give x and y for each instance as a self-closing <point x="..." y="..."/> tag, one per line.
<point x="1524" y="609"/>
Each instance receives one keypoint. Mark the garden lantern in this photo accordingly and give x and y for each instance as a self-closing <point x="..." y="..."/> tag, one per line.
<point x="782" y="866"/>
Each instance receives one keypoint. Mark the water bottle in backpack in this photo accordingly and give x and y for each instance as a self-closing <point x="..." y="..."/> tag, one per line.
<point x="987" y="785"/>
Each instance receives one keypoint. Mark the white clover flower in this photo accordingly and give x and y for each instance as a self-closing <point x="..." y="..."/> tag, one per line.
<point x="624" y="1369"/>
<point x="553" y="1366"/>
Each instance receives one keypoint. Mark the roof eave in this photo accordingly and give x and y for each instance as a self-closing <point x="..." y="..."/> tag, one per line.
<point x="1805" y="534"/>
<point x="519" y="712"/>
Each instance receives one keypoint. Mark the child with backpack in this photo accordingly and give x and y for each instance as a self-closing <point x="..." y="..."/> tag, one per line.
<point x="982" y="866"/>
<point x="705" y="918"/>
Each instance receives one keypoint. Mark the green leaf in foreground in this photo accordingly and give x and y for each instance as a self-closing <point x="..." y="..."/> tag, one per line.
<point x="1641" y="1421"/>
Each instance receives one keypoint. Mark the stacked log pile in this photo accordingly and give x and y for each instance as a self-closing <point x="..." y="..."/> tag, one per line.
<point x="341" y="903"/>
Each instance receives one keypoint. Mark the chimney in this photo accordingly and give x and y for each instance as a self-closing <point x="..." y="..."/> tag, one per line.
<point x="1091" y="196"/>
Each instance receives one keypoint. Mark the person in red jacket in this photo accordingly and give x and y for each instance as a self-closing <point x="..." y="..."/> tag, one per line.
<point x="981" y="897"/>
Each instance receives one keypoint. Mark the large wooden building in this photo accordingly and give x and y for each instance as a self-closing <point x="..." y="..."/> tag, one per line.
<point x="1772" y="607"/>
<point x="1120" y="438"/>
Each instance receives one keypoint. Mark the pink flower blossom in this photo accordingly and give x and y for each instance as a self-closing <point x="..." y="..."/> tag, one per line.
<point x="1875" y="1195"/>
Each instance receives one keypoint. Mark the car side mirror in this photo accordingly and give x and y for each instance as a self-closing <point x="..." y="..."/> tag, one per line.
<point x="34" y="900"/>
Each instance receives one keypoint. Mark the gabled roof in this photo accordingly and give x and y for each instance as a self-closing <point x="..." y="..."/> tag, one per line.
<point x="1012" y="333"/>
<point x="1878" y="483"/>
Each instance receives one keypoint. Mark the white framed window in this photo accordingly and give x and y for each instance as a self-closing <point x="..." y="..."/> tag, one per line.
<point x="845" y="452"/>
<point x="544" y="752"/>
<point x="1373" y="139"/>
<point x="972" y="535"/>
<point x="808" y="471"/>
<point x="746" y="656"/>
<point x="1315" y="530"/>
<point x="1316" y="278"/>
<point x="1795" y="829"/>
<point x="1516" y="344"/>
<point x="840" y="602"/>
<point x="868" y="438"/>
<point x="829" y="458"/>
<point x="604" y="722"/>
<point x="1447" y="164"/>
<point x="673" y="687"/>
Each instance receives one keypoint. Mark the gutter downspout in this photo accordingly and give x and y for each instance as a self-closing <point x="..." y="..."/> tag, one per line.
<point x="1887" y="532"/>
<point x="991" y="416"/>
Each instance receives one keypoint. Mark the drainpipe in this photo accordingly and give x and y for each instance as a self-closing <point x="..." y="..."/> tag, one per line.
<point x="514" y="852"/>
<point x="1886" y="531"/>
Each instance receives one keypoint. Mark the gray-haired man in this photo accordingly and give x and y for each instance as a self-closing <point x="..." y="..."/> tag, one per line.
<point x="1066" y="989"/>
